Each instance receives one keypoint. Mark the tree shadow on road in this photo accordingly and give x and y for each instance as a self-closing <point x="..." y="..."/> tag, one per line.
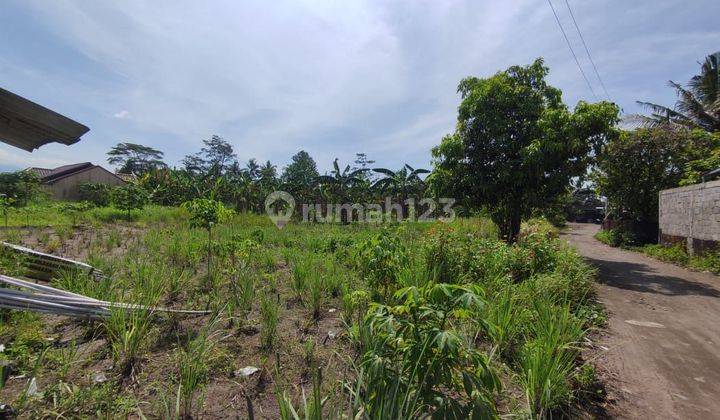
<point x="641" y="278"/>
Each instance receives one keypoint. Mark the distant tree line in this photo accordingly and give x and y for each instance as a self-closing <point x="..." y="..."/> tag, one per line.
<point x="517" y="151"/>
<point x="215" y="172"/>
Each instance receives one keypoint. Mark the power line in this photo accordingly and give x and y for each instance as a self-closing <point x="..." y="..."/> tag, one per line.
<point x="571" y="50"/>
<point x="587" y="50"/>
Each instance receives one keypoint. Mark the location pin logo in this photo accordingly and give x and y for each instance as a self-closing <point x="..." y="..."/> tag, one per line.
<point x="279" y="206"/>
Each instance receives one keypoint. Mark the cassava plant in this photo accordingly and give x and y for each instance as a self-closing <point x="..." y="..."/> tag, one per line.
<point x="418" y="363"/>
<point x="380" y="260"/>
<point x="205" y="213"/>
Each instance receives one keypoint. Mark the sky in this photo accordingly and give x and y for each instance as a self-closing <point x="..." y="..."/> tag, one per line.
<point x="333" y="78"/>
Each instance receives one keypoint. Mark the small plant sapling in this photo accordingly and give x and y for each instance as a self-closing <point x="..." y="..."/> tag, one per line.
<point x="5" y="203"/>
<point x="73" y="210"/>
<point x="205" y="213"/>
<point x="129" y="197"/>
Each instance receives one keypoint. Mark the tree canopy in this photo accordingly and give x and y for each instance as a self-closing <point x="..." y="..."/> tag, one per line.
<point x="516" y="145"/>
<point x="136" y="159"/>
<point x="216" y="156"/>
<point x="636" y="166"/>
<point x="299" y="177"/>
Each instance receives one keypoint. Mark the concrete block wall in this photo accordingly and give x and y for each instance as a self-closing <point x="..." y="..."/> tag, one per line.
<point x="692" y="215"/>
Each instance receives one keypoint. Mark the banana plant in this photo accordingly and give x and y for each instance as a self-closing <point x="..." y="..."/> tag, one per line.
<point x="402" y="183"/>
<point x="339" y="181"/>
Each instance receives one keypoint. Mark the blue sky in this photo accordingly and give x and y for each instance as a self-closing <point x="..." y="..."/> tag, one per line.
<point x="333" y="78"/>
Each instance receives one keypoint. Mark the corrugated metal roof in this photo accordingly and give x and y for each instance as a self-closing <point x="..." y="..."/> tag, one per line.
<point x="41" y="172"/>
<point x="65" y="170"/>
<point x="27" y="125"/>
<point x="48" y="176"/>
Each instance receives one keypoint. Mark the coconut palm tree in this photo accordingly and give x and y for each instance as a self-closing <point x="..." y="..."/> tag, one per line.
<point x="253" y="169"/>
<point x="698" y="104"/>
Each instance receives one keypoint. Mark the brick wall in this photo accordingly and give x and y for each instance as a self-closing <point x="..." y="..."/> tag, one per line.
<point x="691" y="214"/>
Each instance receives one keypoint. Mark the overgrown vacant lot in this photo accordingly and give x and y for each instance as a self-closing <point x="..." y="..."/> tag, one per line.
<point x="358" y="321"/>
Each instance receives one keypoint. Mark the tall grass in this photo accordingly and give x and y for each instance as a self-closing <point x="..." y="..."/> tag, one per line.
<point x="193" y="368"/>
<point x="311" y="409"/>
<point x="127" y="329"/>
<point x="127" y="332"/>
<point x="242" y="292"/>
<point x="548" y="357"/>
<point x="316" y="295"/>
<point x="301" y="273"/>
<point x="427" y="308"/>
<point x="505" y="321"/>
<point x="269" y="318"/>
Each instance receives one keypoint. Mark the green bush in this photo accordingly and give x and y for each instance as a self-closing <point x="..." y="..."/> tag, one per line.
<point x="129" y="197"/>
<point x="419" y="362"/>
<point x="380" y="259"/>
<point x="96" y="193"/>
<point x="674" y="254"/>
<point x="618" y="238"/>
<point x="708" y="261"/>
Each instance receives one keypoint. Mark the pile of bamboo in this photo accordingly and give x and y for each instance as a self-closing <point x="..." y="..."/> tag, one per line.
<point x="29" y="296"/>
<point x="46" y="299"/>
<point x="42" y="266"/>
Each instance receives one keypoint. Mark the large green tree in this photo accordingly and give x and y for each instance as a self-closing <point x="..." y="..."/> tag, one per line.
<point x="215" y="157"/>
<point x="299" y="177"/>
<point x="132" y="158"/>
<point x="636" y="166"/>
<point x="516" y="145"/>
<point x="698" y="103"/>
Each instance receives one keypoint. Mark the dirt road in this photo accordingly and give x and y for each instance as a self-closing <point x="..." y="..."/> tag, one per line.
<point x="663" y="338"/>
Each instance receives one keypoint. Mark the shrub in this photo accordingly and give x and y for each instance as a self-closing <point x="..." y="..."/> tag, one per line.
<point x="380" y="259"/>
<point x="96" y="193"/>
<point x="617" y="237"/>
<point x="674" y="254"/>
<point x="417" y="361"/>
<point x="445" y="255"/>
<point x="74" y="209"/>
<point x="708" y="261"/>
<point x="129" y="197"/>
<point x="205" y="213"/>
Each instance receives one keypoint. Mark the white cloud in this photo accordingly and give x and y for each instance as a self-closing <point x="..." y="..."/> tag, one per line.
<point x="13" y="159"/>
<point x="335" y="78"/>
<point x="122" y="114"/>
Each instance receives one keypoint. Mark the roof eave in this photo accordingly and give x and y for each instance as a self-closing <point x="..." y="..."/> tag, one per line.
<point x="27" y="125"/>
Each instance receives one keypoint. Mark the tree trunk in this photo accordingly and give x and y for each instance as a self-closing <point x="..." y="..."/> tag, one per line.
<point x="514" y="226"/>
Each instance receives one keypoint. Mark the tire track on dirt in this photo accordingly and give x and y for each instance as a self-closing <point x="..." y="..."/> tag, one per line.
<point x="663" y="335"/>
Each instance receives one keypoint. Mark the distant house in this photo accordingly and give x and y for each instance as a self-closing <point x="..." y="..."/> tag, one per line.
<point x="63" y="183"/>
